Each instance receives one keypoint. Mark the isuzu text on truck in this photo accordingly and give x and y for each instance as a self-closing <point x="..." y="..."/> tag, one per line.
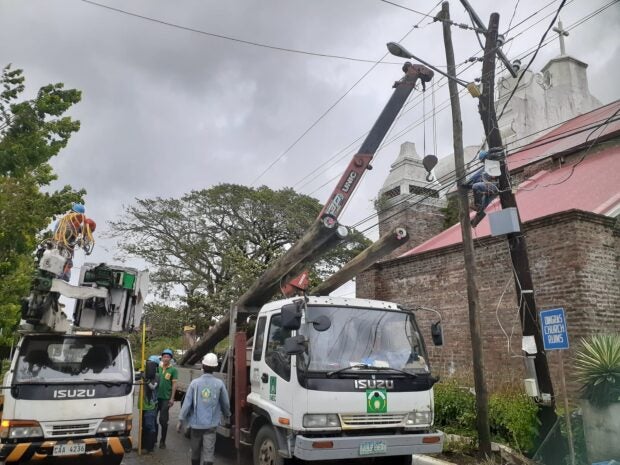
<point x="69" y="389"/>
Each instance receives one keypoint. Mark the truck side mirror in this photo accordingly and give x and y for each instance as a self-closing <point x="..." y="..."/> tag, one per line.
<point x="295" y="345"/>
<point x="291" y="316"/>
<point x="437" y="333"/>
<point x="138" y="375"/>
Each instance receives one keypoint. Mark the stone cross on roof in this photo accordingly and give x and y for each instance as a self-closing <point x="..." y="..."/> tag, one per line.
<point x="561" y="33"/>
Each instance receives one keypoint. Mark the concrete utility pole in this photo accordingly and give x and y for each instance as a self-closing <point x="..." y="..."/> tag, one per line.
<point x="482" y="395"/>
<point x="516" y="240"/>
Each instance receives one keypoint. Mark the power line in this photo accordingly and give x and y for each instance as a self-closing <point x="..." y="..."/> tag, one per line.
<point x="288" y="149"/>
<point x="448" y="179"/>
<point x="332" y="162"/>
<point x="542" y="39"/>
<point x="232" y="39"/>
<point x="434" y="18"/>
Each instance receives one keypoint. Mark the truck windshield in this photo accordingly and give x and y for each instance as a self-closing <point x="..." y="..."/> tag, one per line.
<point x="75" y="359"/>
<point x="358" y="336"/>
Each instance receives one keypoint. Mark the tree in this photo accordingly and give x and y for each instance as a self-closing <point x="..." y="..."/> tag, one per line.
<point x="211" y="244"/>
<point x="31" y="133"/>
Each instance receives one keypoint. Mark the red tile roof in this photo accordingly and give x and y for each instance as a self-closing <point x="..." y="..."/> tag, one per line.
<point x="589" y="184"/>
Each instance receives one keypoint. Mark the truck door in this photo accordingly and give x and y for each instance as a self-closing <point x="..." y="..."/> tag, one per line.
<point x="275" y="367"/>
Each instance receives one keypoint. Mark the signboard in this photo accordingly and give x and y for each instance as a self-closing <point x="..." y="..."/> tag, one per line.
<point x="554" y="332"/>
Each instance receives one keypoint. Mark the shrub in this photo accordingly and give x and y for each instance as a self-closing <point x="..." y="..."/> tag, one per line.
<point x="597" y="366"/>
<point x="512" y="415"/>
<point x="513" y="419"/>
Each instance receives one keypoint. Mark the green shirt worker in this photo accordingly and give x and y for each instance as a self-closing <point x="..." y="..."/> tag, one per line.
<point x="168" y="376"/>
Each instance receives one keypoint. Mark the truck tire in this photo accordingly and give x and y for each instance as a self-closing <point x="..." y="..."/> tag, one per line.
<point x="114" y="459"/>
<point x="266" y="448"/>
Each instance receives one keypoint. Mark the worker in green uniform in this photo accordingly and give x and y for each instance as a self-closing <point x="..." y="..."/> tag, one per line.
<point x="168" y="376"/>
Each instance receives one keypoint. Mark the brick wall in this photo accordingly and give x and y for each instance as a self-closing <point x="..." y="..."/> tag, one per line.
<point x="574" y="258"/>
<point x="422" y="223"/>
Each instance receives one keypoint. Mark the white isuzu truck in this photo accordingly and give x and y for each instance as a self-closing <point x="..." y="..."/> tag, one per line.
<point x="69" y="389"/>
<point x="329" y="378"/>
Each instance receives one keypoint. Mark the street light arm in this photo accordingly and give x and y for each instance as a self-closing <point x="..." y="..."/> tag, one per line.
<point x="400" y="51"/>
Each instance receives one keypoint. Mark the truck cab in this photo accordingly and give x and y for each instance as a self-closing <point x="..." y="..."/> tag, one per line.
<point x="68" y="394"/>
<point x="349" y="378"/>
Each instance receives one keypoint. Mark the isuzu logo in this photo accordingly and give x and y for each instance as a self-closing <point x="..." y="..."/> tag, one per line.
<point x="374" y="383"/>
<point x="73" y="393"/>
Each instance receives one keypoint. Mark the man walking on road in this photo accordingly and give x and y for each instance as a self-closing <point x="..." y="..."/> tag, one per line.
<point x="165" y="392"/>
<point x="205" y="402"/>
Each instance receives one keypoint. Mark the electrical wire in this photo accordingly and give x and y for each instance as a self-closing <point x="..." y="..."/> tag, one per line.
<point x="290" y="147"/>
<point x="333" y="162"/>
<point x="542" y="39"/>
<point x="232" y="39"/>
<point x="411" y="127"/>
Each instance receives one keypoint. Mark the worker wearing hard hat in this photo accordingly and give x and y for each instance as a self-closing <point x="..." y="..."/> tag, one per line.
<point x="204" y="404"/>
<point x="166" y="390"/>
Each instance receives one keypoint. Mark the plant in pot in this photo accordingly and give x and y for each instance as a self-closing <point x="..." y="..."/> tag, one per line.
<point x="597" y="366"/>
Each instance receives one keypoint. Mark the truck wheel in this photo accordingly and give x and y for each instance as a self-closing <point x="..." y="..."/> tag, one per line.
<point x="114" y="460"/>
<point x="266" y="448"/>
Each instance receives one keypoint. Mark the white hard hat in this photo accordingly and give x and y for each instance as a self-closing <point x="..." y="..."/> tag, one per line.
<point x="210" y="360"/>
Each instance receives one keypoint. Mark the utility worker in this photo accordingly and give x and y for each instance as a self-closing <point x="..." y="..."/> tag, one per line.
<point x="149" y="404"/>
<point x="204" y="404"/>
<point x="166" y="390"/>
<point x="484" y="183"/>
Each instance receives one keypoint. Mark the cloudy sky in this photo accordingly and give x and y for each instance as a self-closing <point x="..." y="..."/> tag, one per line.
<point x="166" y="109"/>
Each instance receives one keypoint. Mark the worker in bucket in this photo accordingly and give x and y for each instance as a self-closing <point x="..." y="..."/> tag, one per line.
<point x="206" y="401"/>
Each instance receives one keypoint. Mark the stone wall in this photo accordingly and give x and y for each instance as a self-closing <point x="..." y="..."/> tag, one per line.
<point x="574" y="259"/>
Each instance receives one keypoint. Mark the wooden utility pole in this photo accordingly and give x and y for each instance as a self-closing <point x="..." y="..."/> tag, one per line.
<point x="482" y="396"/>
<point x="516" y="240"/>
<point x="386" y="244"/>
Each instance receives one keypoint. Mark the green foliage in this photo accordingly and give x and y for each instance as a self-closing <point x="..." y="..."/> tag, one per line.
<point x="31" y="133"/>
<point x="213" y="243"/>
<point x="451" y="212"/>
<point x="512" y="415"/>
<point x="514" y="419"/>
<point x="455" y="409"/>
<point x="597" y="366"/>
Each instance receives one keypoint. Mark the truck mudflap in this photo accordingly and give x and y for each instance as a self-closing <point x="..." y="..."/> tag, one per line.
<point x="42" y="449"/>
<point x="332" y="448"/>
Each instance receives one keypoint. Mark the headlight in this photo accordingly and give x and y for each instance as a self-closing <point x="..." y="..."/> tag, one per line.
<point x="323" y="420"/>
<point x="18" y="429"/>
<point x="114" y="425"/>
<point x="421" y="417"/>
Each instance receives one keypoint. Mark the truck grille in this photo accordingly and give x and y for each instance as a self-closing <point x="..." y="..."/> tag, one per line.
<point x="63" y="429"/>
<point x="378" y="420"/>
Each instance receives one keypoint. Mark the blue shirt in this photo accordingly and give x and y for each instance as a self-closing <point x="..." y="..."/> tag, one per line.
<point x="205" y="402"/>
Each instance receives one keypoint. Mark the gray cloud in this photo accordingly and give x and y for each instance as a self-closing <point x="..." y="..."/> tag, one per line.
<point x="166" y="110"/>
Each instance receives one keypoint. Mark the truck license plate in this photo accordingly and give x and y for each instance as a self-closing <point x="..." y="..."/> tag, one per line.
<point x="69" y="449"/>
<point x="373" y="447"/>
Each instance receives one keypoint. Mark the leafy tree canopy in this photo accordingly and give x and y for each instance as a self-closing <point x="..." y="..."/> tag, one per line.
<point x="32" y="131"/>
<point x="208" y="246"/>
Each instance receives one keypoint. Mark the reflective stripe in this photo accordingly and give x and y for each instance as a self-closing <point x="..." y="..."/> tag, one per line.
<point x="18" y="452"/>
<point x="116" y="446"/>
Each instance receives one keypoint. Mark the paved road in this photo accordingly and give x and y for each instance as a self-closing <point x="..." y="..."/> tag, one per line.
<point x="177" y="450"/>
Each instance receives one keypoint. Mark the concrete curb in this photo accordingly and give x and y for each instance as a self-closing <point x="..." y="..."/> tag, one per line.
<point x="426" y="460"/>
